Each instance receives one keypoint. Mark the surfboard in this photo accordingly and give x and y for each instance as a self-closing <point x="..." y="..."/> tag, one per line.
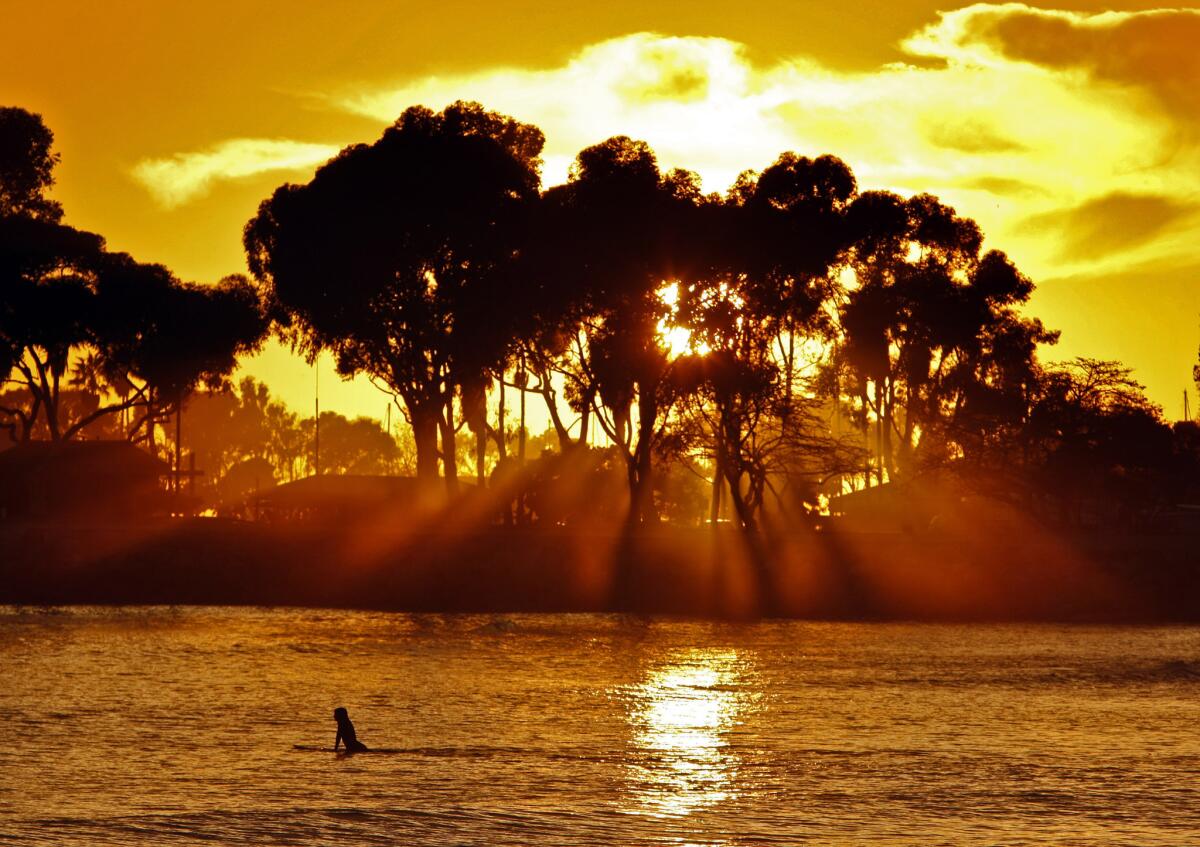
<point x="308" y="748"/>
<point x="441" y="752"/>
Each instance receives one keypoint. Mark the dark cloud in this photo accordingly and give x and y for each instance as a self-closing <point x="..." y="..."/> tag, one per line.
<point x="1005" y="187"/>
<point x="1112" y="224"/>
<point x="664" y="74"/>
<point x="1158" y="50"/>
<point x="972" y="137"/>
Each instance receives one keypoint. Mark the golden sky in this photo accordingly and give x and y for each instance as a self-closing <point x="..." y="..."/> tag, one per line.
<point x="1071" y="133"/>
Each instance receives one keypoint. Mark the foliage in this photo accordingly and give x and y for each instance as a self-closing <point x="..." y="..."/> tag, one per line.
<point x="607" y="242"/>
<point x="932" y="344"/>
<point x="26" y="166"/>
<point x="721" y="341"/>
<point x="75" y="318"/>
<point x="395" y="257"/>
<point x="244" y="440"/>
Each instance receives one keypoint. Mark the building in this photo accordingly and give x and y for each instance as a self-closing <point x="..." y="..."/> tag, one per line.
<point x="81" y="481"/>
<point x="331" y="499"/>
<point x="933" y="501"/>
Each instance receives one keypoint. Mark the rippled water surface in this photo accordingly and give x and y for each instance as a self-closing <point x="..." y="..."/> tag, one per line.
<point x="170" y="726"/>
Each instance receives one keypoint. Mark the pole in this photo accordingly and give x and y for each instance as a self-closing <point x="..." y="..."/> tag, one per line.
<point x="501" y="445"/>
<point x="521" y="382"/>
<point x="317" y="418"/>
<point x="178" y="440"/>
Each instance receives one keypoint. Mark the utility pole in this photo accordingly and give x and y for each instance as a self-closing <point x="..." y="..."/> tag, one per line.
<point x="1187" y="412"/>
<point x="523" y="378"/>
<point x="179" y="440"/>
<point x="317" y="418"/>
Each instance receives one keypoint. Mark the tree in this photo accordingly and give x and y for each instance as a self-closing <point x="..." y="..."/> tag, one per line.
<point x="47" y="302"/>
<point x="74" y="317"/>
<point x="395" y="257"/>
<point x="929" y="326"/>
<point x="759" y="293"/>
<point x="26" y="166"/>
<point x="359" y="446"/>
<point x="242" y="428"/>
<point x="1098" y="445"/>
<point x="44" y="266"/>
<point x="608" y="242"/>
<point x="155" y="340"/>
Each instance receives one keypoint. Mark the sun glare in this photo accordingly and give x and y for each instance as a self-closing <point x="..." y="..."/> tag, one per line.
<point x="676" y="340"/>
<point x="681" y="719"/>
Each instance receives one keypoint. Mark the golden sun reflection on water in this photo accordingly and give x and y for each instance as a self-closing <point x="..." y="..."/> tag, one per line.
<point x="681" y="717"/>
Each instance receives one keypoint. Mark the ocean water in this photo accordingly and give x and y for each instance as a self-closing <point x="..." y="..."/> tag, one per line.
<point x="180" y="726"/>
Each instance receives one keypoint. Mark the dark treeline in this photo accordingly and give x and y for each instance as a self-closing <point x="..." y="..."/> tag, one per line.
<point x="787" y="336"/>
<point x="94" y="343"/>
<point x="784" y="341"/>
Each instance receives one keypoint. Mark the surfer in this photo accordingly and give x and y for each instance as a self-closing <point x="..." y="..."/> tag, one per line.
<point x="345" y="732"/>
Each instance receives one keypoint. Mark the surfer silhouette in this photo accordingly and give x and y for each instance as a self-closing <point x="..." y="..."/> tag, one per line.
<point x="346" y="733"/>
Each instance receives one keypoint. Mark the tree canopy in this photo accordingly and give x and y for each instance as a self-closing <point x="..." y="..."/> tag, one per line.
<point x="787" y="340"/>
<point x="396" y="257"/>
<point x="75" y="317"/>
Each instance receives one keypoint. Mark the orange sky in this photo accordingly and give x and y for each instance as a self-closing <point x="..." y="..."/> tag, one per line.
<point x="1072" y="135"/>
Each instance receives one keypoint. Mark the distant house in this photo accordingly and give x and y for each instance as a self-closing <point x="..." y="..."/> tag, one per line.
<point x="331" y="499"/>
<point x="936" y="500"/>
<point x="80" y="480"/>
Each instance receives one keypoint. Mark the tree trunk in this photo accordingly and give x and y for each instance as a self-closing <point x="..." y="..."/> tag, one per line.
<point x="644" y="455"/>
<point x="585" y="419"/>
<point x="481" y="455"/>
<point x="879" y="421"/>
<point x="714" y="509"/>
<point x="500" y="437"/>
<point x="755" y="545"/>
<point x="741" y="508"/>
<point x="424" y="424"/>
<point x="789" y="373"/>
<point x="449" y="446"/>
<point x="565" y="442"/>
<point x="474" y="402"/>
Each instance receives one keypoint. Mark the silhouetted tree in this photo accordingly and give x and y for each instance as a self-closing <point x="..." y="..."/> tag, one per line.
<point x="1100" y="449"/>
<point x="242" y="427"/>
<point x="358" y="446"/>
<point x="47" y="307"/>
<point x="26" y="166"/>
<point x="44" y="294"/>
<point x="156" y="339"/>
<point x="73" y="317"/>
<point x="760" y="292"/>
<point x="608" y="241"/>
<point x="929" y="324"/>
<point x="395" y="258"/>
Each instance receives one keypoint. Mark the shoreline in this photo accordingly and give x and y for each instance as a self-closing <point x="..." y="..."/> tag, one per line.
<point x="691" y="572"/>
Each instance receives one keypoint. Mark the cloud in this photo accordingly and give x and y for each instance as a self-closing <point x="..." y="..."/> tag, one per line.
<point x="971" y="137"/>
<point x="183" y="177"/>
<point x="1001" y="136"/>
<point x="663" y="89"/>
<point x="1154" y="50"/>
<point x="1005" y="187"/>
<point x="1026" y="113"/>
<point x="1114" y="223"/>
